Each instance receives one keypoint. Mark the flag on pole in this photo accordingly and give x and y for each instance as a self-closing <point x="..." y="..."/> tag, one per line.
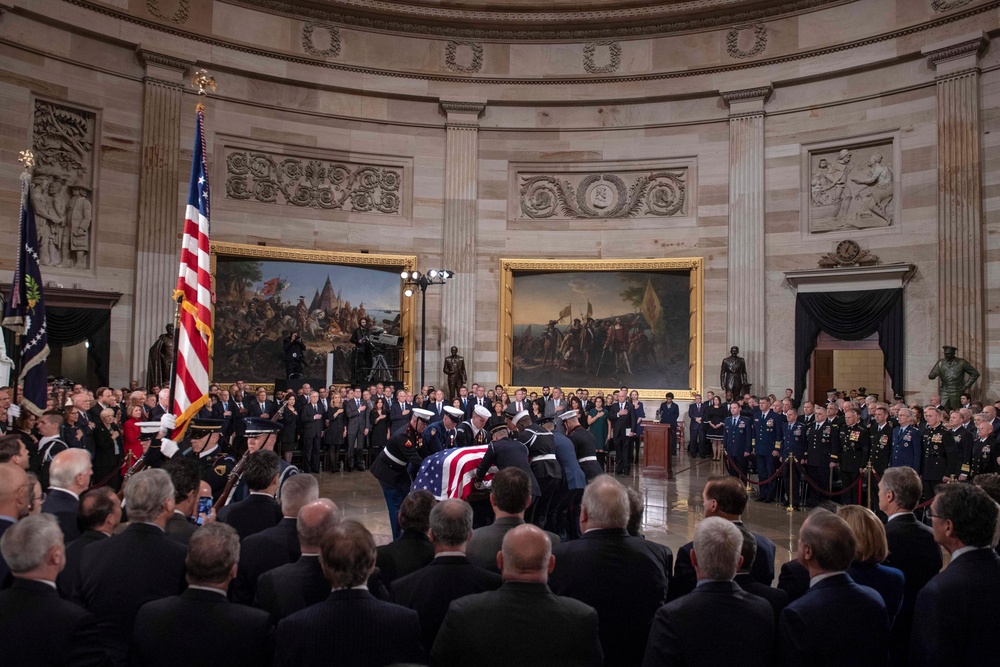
<point x="651" y="309"/>
<point x="450" y="473"/>
<point x="566" y="312"/>
<point x="270" y="287"/>
<point x="25" y="312"/>
<point x="590" y="309"/>
<point x="194" y="288"/>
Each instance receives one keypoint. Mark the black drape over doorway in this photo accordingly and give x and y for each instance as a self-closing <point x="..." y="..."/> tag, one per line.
<point x="72" y="326"/>
<point x="850" y="316"/>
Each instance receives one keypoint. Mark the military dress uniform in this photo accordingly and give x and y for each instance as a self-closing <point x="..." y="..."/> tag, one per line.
<point x="465" y="436"/>
<point x="214" y="468"/>
<point x="855" y="448"/>
<point x="822" y="449"/>
<point x="767" y="441"/>
<point x="542" y="456"/>
<point x="586" y="451"/>
<point x="436" y="437"/>
<point x="737" y="440"/>
<point x="507" y="453"/>
<point x="390" y="467"/>
<point x="940" y="458"/>
<point x="793" y="442"/>
<point x="906" y="447"/>
<point x="881" y="446"/>
<point x="983" y="459"/>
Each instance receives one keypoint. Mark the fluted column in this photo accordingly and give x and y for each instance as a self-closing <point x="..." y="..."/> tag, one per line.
<point x="961" y="313"/>
<point x="461" y="179"/>
<point x="747" y="314"/>
<point x="157" y="243"/>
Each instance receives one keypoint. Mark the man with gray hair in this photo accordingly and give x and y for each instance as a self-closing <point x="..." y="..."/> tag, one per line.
<point x="687" y="630"/>
<point x="120" y="574"/>
<point x="38" y="627"/>
<point x="431" y="589"/>
<point x="69" y="475"/>
<point x="906" y="440"/>
<point x="239" y="635"/>
<point x="612" y="572"/>
<point x="277" y="545"/>
<point x="294" y="586"/>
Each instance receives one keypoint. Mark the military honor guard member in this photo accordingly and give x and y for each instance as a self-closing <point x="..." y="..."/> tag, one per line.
<point x="262" y="434"/>
<point x="737" y="440"/>
<point x="472" y="432"/>
<point x="855" y="447"/>
<point x="390" y="466"/>
<point x="940" y="459"/>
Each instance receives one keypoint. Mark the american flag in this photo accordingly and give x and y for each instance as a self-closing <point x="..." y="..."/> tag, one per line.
<point x="194" y="286"/>
<point x="450" y="473"/>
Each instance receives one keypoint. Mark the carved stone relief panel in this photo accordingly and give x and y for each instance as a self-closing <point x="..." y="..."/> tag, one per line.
<point x="313" y="39"/>
<point x="852" y="184"/>
<point x="735" y="36"/>
<point x="613" y="62"/>
<point x="608" y="191"/>
<point x="326" y="183"/>
<point x="465" y="57"/>
<point x="62" y="187"/>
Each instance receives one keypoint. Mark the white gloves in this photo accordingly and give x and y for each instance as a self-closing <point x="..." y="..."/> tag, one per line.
<point x="14" y="411"/>
<point x="168" y="447"/>
<point x="168" y="423"/>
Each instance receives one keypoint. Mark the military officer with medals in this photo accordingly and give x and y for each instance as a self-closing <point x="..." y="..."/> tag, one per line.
<point x="767" y="447"/>
<point x="906" y="441"/>
<point x="963" y="440"/>
<point x="822" y="449"/>
<point x="472" y="432"/>
<point x="584" y="444"/>
<point x="262" y="434"/>
<point x="506" y="452"/>
<point x="855" y="448"/>
<point x="201" y="443"/>
<point x="737" y="440"/>
<point x="880" y="437"/>
<point x="390" y="466"/>
<point x="940" y="458"/>
<point x="984" y="458"/>
<point x="542" y="456"/>
<point x="440" y="435"/>
<point x="793" y="443"/>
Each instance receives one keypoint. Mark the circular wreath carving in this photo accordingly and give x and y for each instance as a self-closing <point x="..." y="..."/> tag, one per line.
<point x="451" y="53"/>
<point x="759" y="41"/>
<point x="615" y="61"/>
<point x="307" y="40"/>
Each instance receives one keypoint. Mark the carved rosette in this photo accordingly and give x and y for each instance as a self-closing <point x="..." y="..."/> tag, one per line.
<point x="261" y="177"/>
<point x="309" y="44"/>
<point x="180" y="15"/>
<point x="451" y="55"/>
<point x="614" y="58"/>
<point x="604" y="195"/>
<point x="759" y="41"/>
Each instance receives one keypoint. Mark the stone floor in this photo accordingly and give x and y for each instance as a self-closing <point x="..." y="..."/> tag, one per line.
<point x="673" y="506"/>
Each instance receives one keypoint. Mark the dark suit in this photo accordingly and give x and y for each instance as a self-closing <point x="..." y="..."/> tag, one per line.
<point x="619" y="423"/>
<point x="122" y="573"/>
<point x="180" y="528"/>
<point x="486" y="542"/>
<point x="821" y="628"/>
<point x="685" y="578"/>
<point x="886" y="581"/>
<point x="357" y="422"/>
<point x="507" y="453"/>
<point x="913" y="551"/>
<point x="519" y="624"/>
<point x="717" y="624"/>
<point x="361" y="625"/>
<point x="408" y="554"/>
<point x="397" y="419"/>
<point x="292" y="587"/>
<point x="614" y="573"/>
<point x="694" y="429"/>
<point x="430" y="590"/>
<point x="256" y="513"/>
<point x="262" y="552"/>
<point x="254" y="409"/>
<point x="64" y="506"/>
<point x="202" y="629"/>
<point x="40" y="629"/>
<point x="777" y="598"/>
<point x="794" y="580"/>
<point x="957" y="613"/>
<point x="69" y="579"/>
<point x="312" y="435"/>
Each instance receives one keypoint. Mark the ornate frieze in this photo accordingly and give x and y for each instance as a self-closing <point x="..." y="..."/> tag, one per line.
<point x="614" y="57"/>
<point x="759" y="41"/>
<point x="948" y="5"/>
<point x="271" y="178"/>
<point x="461" y="63"/>
<point x="161" y="10"/>
<point x="309" y="40"/>
<point x="605" y="195"/>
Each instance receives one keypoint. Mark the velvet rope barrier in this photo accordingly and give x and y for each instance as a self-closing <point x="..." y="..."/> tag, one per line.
<point x="739" y="472"/>
<point x="819" y="489"/>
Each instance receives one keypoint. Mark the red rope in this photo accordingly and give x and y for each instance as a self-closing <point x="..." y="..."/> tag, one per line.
<point x="739" y="472"/>
<point x="831" y="494"/>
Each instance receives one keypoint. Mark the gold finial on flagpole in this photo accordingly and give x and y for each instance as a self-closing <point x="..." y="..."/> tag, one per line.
<point x="203" y="82"/>
<point x="27" y="158"/>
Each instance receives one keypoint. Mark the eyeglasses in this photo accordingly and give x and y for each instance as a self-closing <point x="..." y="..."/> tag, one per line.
<point x="929" y="513"/>
<point x="41" y="498"/>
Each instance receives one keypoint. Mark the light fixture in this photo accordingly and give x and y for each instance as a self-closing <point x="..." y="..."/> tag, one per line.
<point x="433" y="274"/>
<point x="412" y="281"/>
<point x="415" y="275"/>
<point x="404" y="275"/>
<point x="408" y="292"/>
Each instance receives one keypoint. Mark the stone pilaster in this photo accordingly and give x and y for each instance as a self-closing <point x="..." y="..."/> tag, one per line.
<point x="747" y="314"/>
<point x="461" y="179"/>
<point x="157" y="244"/>
<point x="961" y="289"/>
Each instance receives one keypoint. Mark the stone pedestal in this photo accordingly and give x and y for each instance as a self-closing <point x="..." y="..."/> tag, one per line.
<point x="458" y="297"/>
<point x="747" y="315"/>
<point x="160" y="213"/>
<point x="961" y="290"/>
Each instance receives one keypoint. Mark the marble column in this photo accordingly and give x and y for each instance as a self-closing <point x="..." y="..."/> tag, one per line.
<point x="461" y="179"/>
<point x="160" y="223"/>
<point x="747" y="327"/>
<point x="961" y="289"/>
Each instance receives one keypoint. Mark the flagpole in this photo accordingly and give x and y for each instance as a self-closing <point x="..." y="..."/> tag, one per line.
<point x="27" y="158"/>
<point x="173" y="363"/>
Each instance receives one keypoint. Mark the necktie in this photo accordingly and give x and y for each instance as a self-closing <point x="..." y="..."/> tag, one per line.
<point x="358" y="401"/>
<point x="262" y="407"/>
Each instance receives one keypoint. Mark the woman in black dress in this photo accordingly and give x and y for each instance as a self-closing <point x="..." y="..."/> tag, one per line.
<point x="107" y="451"/>
<point x="290" y="420"/>
<point x="378" y="422"/>
<point x="715" y="418"/>
<point x="336" y="429"/>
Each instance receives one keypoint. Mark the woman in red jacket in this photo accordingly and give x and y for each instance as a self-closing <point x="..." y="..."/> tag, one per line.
<point x="131" y="429"/>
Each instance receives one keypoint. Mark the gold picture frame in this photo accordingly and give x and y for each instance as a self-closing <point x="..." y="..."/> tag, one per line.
<point x="398" y="263"/>
<point x="509" y="267"/>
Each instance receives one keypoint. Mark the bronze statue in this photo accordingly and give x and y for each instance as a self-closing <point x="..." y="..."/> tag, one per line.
<point x="734" y="373"/>
<point x="454" y="370"/>
<point x="952" y="371"/>
<point x="161" y="358"/>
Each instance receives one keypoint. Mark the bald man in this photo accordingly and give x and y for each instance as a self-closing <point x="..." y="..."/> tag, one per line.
<point x="522" y="623"/>
<point x="15" y="496"/>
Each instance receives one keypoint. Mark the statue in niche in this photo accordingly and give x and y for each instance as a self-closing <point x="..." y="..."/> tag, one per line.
<point x="51" y="201"/>
<point x="161" y="358"/>
<point x="733" y="376"/>
<point x="80" y="217"/>
<point x="851" y="189"/>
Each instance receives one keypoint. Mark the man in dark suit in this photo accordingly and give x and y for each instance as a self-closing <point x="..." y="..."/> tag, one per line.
<point x="296" y="585"/>
<point x="361" y="622"/>
<point x="120" y="574"/>
<point x="621" y="416"/>
<point x="430" y="590"/>
<point x="274" y="546"/>
<point x="522" y="623"/>
<point x="778" y="599"/>
<point x="15" y="498"/>
<point x="718" y="620"/>
<point x="912" y="550"/>
<point x="612" y="572"/>
<point x="399" y="413"/>
<point x="694" y="427"/>
<point x="793" y="580"/>
<point x="166" y="631"/>
<point x="661" y="553"/>
<point x="262" y="407"/>
<point x="100" y="513"/>
<point x="183" y="473"/>
<point x="726" y="497"/>
<point x="510" y="496"/>
<point x="69" y="476"/>
<point x="311" y="422"/>
<point x="956" y="611"/>
<point x="161" y="408"/>
<point x="821" y="628"/>
<point x="38" y="627"/>
<point x="413" y="550"/>
<point x="357" y="428"/>
<point x="259" y="511"/>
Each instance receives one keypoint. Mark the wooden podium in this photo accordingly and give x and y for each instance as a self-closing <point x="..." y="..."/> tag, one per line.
<point x="656" y="445"/>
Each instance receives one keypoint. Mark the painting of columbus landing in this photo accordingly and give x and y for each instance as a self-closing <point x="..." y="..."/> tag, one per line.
<point x="260" y="301"/>
<point x="601" y="329"/>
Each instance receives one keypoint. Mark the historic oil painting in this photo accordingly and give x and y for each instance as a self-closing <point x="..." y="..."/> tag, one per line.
<point x="261" y="300"/>
<point x="603" y="328"/>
